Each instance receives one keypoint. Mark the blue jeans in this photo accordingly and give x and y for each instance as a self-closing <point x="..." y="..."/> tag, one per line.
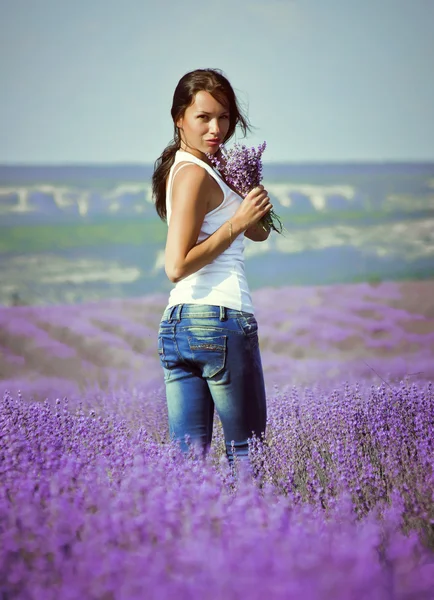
<point x="210" y="356"/>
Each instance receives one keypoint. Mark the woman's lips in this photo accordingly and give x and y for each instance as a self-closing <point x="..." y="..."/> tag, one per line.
<point x="213" y="142"/>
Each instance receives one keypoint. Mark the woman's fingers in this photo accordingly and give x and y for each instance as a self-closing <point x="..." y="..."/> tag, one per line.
<point x="255" y="205"/>
<point x="261" y="197"/>
<point x="262" y="201"/>
<point x="256" y="192"/>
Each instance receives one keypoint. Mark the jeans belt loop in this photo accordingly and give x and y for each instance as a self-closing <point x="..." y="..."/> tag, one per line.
<point x="179" y="312"/>
<point x="169" y="318"/>
<point x="223" y="313"/>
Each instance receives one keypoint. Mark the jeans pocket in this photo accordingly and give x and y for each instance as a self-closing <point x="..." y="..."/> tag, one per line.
<point x="209" y="353"/>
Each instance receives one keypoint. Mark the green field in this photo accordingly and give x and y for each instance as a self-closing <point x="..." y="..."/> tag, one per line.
<point x="138" y="231"/>
<point x="43" y="238"/>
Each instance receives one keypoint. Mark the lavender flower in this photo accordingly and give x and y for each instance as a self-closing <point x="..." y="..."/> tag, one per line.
<point x="92" y="488"/>
<point x="241" y="167"/>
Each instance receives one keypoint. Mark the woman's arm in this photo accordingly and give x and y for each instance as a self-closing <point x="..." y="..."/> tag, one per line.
<point x="191" y="192"/>
<point x="257" y="233"/>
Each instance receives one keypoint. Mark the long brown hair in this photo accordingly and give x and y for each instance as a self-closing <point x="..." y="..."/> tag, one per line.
<point x="208" y="80"/>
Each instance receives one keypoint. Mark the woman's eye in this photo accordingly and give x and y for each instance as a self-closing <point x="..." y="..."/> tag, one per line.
<point x="205" y="117"/>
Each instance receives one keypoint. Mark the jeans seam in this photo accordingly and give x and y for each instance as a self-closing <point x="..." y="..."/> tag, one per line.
<point x="175" y="343"/>
<point x="206" y="347"/>
<point x="210" y="329"/>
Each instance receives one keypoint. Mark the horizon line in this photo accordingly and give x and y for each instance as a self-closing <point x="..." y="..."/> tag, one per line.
<point x="409" y="161"/>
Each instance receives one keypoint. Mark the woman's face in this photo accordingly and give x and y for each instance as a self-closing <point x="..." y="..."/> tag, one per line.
<point x="204" y="125"/>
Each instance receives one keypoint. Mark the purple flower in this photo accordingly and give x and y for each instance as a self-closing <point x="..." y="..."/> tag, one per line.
<point x="241" y="167"/>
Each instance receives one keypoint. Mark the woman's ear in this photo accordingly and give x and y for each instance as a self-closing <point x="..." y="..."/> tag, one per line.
<point x="179" y="123"/>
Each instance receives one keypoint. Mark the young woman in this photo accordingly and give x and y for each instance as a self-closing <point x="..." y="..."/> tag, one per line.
<point x="208" y="340"/>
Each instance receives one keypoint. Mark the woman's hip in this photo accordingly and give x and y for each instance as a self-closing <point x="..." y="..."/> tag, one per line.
<point x="209" y="338"/>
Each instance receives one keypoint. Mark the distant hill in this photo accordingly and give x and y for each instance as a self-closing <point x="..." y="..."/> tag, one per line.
<point x="72" y="234"/>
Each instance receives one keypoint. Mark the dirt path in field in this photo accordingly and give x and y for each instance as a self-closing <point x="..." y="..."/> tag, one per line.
<point x="417" y="297"/>
<point x="365" y="329"/>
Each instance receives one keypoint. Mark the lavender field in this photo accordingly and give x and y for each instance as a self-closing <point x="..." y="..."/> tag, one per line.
<point x="96" y="502"/>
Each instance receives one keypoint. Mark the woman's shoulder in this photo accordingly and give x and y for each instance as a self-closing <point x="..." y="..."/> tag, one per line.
<point x="194" y="172"/>
<point x="189" y="174"/>
<point x="199" y="178"/>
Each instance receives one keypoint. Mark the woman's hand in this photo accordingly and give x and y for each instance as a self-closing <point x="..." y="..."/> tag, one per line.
<point x="254" y="206"/>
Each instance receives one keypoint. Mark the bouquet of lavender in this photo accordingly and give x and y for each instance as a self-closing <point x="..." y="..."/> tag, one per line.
<point x="241" y="167"/>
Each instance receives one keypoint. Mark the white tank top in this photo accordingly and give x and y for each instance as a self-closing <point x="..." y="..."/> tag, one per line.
<point x="223" y="281"/>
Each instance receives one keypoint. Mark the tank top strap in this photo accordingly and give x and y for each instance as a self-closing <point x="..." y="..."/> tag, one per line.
<point x="173" y="172"/>
<point x="185" y="158"/>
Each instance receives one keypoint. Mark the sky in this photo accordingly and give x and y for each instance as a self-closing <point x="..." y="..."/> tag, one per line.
<point x="92" y="81"/>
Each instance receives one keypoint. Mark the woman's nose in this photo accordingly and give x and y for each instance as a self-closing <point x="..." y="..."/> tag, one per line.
<point x="214" y="126"/>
